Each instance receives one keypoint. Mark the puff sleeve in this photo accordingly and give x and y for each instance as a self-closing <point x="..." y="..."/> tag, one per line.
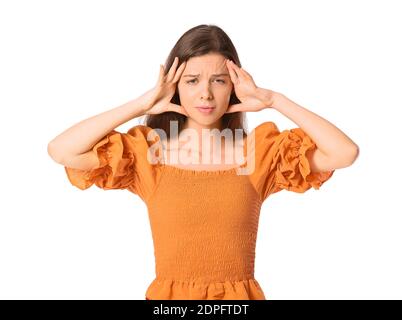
<point x="123" y="164"/>
<point x="281" y="162"/>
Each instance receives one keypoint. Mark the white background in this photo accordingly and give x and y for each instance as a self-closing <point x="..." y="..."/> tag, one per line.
<point x="64" y="61"/>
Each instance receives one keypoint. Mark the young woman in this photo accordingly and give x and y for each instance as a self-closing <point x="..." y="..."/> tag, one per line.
<point x="204" y="214"/>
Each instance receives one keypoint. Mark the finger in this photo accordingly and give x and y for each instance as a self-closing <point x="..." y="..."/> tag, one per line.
<point x="183" y="112"/>
<point x="235" y="108"/>
<point x="179" y="72"/>
<point x="172" y="69"/>
<point x="177" y="108"/>
<point x="246" y="75"/>
<point x="239" y="71"/>
<point x="232" y="73"/>
<point x="161" y="73"/>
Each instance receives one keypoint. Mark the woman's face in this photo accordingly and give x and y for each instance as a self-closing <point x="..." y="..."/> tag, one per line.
<point x="205" y="81"/>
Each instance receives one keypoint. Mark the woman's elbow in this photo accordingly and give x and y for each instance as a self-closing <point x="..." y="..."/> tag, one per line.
<point x="54" y="152"/>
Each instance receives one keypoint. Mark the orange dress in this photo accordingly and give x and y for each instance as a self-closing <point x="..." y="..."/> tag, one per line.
<point x="204" y="223"/>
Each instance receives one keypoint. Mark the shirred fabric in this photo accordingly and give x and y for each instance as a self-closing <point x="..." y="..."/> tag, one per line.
<point x="281" y="161"/>
<point x="204" y="223"/>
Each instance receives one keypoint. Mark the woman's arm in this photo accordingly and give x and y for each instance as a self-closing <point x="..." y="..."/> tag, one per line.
<point x="79" y="139"/>
<point x="334" y="148"/>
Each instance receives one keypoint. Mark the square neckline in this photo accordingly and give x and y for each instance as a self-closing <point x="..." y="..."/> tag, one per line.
<point x="201" y="172"/>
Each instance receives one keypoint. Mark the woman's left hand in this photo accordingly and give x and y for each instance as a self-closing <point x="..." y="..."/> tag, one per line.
<point x="252" y="97"/>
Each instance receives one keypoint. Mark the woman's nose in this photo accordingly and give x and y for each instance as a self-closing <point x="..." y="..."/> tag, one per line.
<point x="206" y="91"/>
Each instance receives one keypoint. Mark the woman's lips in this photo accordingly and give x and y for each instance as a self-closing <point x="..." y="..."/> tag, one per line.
<point x="205" y="109"/>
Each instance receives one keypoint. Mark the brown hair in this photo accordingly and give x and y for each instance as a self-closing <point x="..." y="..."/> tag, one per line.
<point x="198" y="41"/>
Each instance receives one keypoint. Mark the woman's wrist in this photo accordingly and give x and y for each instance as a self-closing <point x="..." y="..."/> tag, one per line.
<point x="268" y="97"/>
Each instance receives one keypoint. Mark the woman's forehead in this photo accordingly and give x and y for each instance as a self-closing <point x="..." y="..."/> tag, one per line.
<point x="205" y="64"/>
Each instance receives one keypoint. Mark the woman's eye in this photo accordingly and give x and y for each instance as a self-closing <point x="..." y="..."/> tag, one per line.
<point x="192" y="81"/>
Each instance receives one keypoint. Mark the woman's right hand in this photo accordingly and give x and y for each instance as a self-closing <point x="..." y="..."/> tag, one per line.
<point x="158" y="98"/>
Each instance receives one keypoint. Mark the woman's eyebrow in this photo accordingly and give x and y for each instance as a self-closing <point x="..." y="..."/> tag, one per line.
<point x="214" y="75"/>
